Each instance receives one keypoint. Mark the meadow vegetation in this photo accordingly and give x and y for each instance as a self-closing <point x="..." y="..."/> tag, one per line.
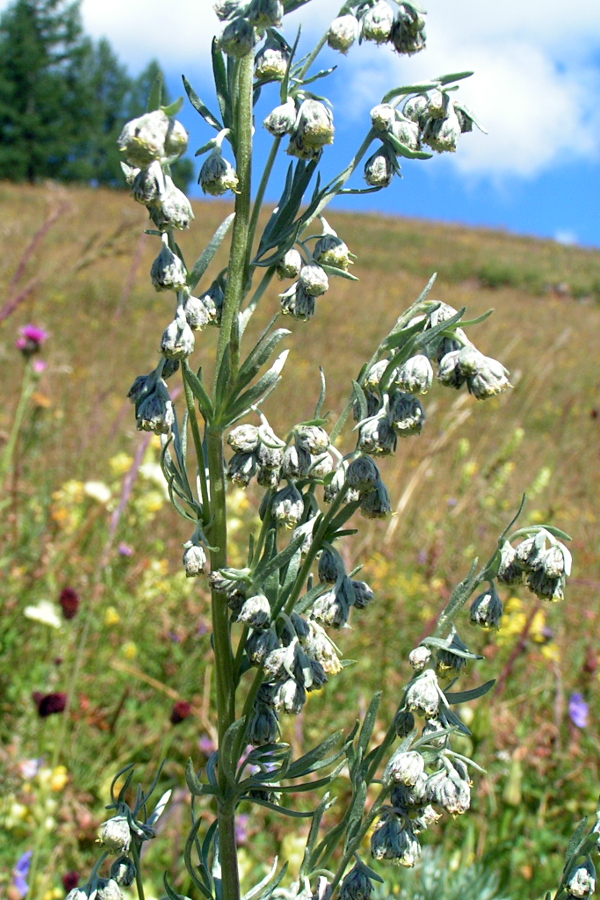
<point x="82" y="490"/>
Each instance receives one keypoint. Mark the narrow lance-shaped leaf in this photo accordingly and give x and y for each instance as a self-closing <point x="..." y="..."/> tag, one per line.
<point x="205" y="258"/>
<point x="200" y="107"/>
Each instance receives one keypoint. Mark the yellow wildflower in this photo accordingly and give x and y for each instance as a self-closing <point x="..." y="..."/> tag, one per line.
<point x="129" y="650"/>
<point x="111" y="617"/>
<point x="59" y="778"/>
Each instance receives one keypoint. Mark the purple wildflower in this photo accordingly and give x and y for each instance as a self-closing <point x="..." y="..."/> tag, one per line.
<point x="241" y="828"/>
<point x="38" y="366"/>
<point x="31" y="340"/>
<point x="20" y="873"/>
<point x="206" y="745"/>
<point x="578" y="710"/>
<point x="125" y="549"/>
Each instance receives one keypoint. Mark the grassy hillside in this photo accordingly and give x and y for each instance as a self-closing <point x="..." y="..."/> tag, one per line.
<point x="83" y="276"/>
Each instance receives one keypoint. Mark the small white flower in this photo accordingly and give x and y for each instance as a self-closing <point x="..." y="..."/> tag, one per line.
<point x="98" y="491"/>
<point x="45" y="612"/>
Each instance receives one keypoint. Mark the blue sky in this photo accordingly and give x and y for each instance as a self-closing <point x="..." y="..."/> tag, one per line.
<point x="535" y="87"/>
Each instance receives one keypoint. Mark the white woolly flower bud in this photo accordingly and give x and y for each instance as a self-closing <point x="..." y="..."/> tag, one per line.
<point x="173" y="208"/>
<point x="265" y="13"/>
<point x="406" y="132"/>
<point x="314" y="280"/>
<point x="331" y="608"/>
<point x="238" y="38"/>
<point x="281" y="120"/>
<point x="244" y="439"/>
<point x="194" y="560"/>
<point x="343" y="32"/>
<point x="376" y="436"/>
<point x="123" y="871"/>
<point x="227" y="9"/>
<point x="295" y="463"/>
<point x="406" y="413"/>
<point x="149" y="184"/>
<point x="176" y="140"/>
<point x="312" y="438"/>
<point x="377" y="22"/>
<point x="395" y="841"/>
<point x="197" y="314"/>
<point x="423" y="695"/>
<point x="363" y="594"/>
<point x="415" y="375"/>
<point x="256" y="612"/>
<point x="217" y="175"/>
<point x="408" y="30"/>
<point x="320" y="648"/>
<point x="168" y="273"/>
<point x="379" y="168"/>
<point x="321" y="465"/>
<point x="178" y="339"/>
<point x="356" y="885"/>
<point x="442" y="134"/>
<point x="287" y="506"/>
<point x="330" y="250"/>
<point x="486" y="609"/>
<point x="290" y="265"/>
<point x="362" y="474"/>
<point x="376" y="504"/>
<point x="449" y="372"/>
<point x="510" y="571"/>
<point x="314" y="124"/>
<point x="242" y="468"/>
<point x="297" y="302"/>
<point x="419" y="657"/>
<point x="78" y="894"/>
<point x="115" y="835"/>
<point x="404" y="767"/>
<point x="108" y="889"/>
<point x="490" y="379"/>
<point x="581" y="882"/>
<point x="142" y="140"/>
<point x="383" y="116"/>
<point x="271" y="64"/>
<point x="289" y="696"/>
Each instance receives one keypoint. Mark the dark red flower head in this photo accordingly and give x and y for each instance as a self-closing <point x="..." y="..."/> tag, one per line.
<point x="70" y="880"/>
<point x="181" y="710"/>
<point x="69" y="602"/>
<point x="47" y="704"/>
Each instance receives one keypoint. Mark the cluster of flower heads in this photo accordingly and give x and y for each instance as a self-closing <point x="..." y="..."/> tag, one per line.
<point x="309" y="272"/>
<point x="376" y="21"/>
<point x="541" y="561"/>
<point x="294" y="652"/>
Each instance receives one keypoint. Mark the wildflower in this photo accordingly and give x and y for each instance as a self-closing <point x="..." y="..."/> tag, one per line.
<point x="44" y="612"/>
<point x="377" y="23"/>
<point x="377" y="436"/>
<point x="265" y="13"/>
<point x="404" y="722"/>
<point x="38" y="366"/>
<point x="581" y="881"/>
<point x="290" y="265"/>
<point x="49" y="704"/>
<point x="123" y="871"/>
<point x="312" y="130"/>
<point x="149" y="184"/>
<point x="260" y="645"/>
<point x="442" y="134"/>
<point x="115" y="834"/>
<point x="111" y="617"/>
<point x="176" y="140"/>
<point x="217" y="175"/>
<point x="408" y="31"/>
<point x="406" y="132"/>
<point x="97" y="491"/>
<point x="331" y="608"/>
<point x="227" y="9"/>
<point x="406" y="796"/>
<point x="312" y="438"/>
<point x="363" y="595"/>
<point x="129" y="650"/>
<point x="406" y="414"/>
<point x="255" y="612"/>
<point x="416" y="109"/>
<point x="238" y="38"/>
<point x="197" y="314"/>
<point x="108" y="889"/>
<point x="332" y="251"/>
<point x="289" y="696"/>
<point x="242" y="468"/>
<point x="31" y="340"/>
<point x="180" y="711"/>
<point x="263" y="727"/>
<point x="70" y="880"/>
<point x="20" y="873"/>
<point x="59" y="778"/>
<point x="342" y="33"/>
<point x="376" y="503"/>
<point x="510" y="572"/>
<point x="173" y="209"/>
<point x="362" y="474"/>
<point x="449" y="791"/>
<point x="489" y="380"/>
<point x="578" y="710"/>
<point x="297" y="302"/>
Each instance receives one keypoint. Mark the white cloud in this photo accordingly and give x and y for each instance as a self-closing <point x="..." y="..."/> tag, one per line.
<point x="566" y="237"/>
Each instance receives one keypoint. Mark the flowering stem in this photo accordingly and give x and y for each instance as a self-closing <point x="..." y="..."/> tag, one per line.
<point x="189" y="399"/>
<point x="26" y="391"/>
<point x="237" y="269"/>
<point x="135" y="852"/>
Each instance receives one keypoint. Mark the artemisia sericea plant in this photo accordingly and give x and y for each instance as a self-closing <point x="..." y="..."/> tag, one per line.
<point x="276" y="621"/>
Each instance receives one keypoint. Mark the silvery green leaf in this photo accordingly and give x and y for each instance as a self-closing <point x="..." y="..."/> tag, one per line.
<point x="410" y="89"/>
<point x="307" y="862"/>
<point x="292" y="813"/>
<point x="226" y="763"/>
<point x="156" y="92"/>
<point x="205" y="882"/>
<point x="477" y="320"/>
<point x="271" y="888"/>
<point x="307" y="600"/>
<point x="255" y="891"/>
<point x="473" y="694"/>
<point x="443" y="644"/>
<point x="456" y="76"/>
<point x="265" y="569"/>
<point x="159" y="808"/>
<point x="259" y="354"/>
<point x="205" y="258"/>
<point x="198" y="390"/>
<point x="575" y="840"/>
<point x="285" y="81"/>
<point x="307" y="785"/>
<point x="196" y="787"/>
<point x="221" y="82"/>
<point x="339" y="273"/>
<point x="171" y="894"/>
<point x="368" y="723"/>
<point x="313" y="760"/>
<point x="322" y="74"/>
<point x="173" y="108"/>
<point x="200" y="107"/>
<point x="209" y="145"/>
<point x="258" y="391"/>
<point x="403" y="150"/>
<point x="223" y="377"/>
<point x="360" y="397"/>
<point x="353" y="817"/>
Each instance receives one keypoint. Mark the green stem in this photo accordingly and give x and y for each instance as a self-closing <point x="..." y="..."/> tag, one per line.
<point x="237" y="269"/>
<point x="368" y="821"/>
<point x="224" y="663"/>
<point x="254" y="300"/>
<point x="135" y="852"/>
<point x="189" y="399"/>
<point x="9" y="449"/>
